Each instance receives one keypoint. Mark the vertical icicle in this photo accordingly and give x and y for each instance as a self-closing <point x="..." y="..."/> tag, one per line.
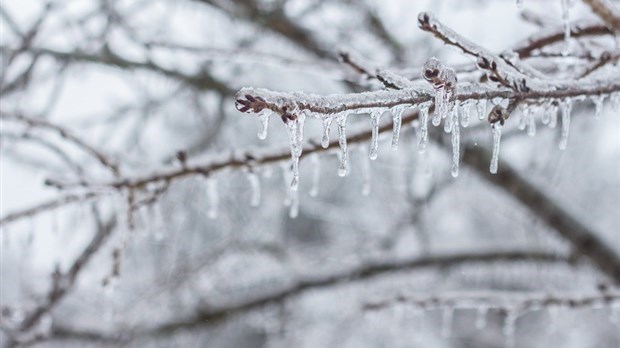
<point x="567" y="106"/>
<point x="374" y="141"/>
<point x="296" y="136"/>
<point x="497" y="136"/>
<point x="481" y="108"/>
<point x="423" y="127"/>
<point x="566" y="24"/>
<point x="455" y="142"/>
<point x="264" y="124"/>
<point x="481" y="317"/>
<point x="446" y="322"/>
<point x="509" y="328"/>
<point x="366" y="186"/>
<point x="327" y="122"/>
<point x="438" y="113"/>
<point x="397" y="119"/>
<point x="531" y="123"/>
<point x="523" y="115"/>
<point x="254" y="181"/>
<point x="286" y="178"/>
<point x="213" y="199"/>
<point x="615" y="101"/>
<point x="552" y="113"/>
<point x="466" y="111"/>
<point x="447" y="125"/>
<point x="341" y="120"/>
<point x="598" y="101"/>
<point x="316" y="174"/>
<point x="293" y="210"/>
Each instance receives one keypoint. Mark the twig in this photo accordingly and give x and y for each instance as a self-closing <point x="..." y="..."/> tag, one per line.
<point x="606" y="11"/>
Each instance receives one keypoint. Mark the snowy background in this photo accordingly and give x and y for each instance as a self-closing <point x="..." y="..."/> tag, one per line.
<point x="178" y="263"/>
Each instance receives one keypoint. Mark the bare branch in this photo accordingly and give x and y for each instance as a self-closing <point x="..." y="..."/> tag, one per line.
<point x="606" y="11"/>
<point x="46" y="206"/>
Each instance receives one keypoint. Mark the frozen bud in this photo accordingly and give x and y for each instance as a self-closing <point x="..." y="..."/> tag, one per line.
<point x="431" y="70"/>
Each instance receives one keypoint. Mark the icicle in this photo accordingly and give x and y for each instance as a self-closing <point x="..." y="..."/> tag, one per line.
<point x="481" y="108"/>
<point x="436" y="115"/>
<point x="523" y="117"/>
<point x="293" y="210"/>
<point x="446" y="322"/>
<point x="566" y="23"/>
<point x="254" y="181"/>
<point x="447" y="125"/>
<point x="286" y="177"/>
<point x="553" y="115"/>
<point x="296" y="136"/>
<point x="598" y="101"/>
<point x="316" y="174"/>
<point x="397" y="113"/>
<point x="455" y="142"/>
<point x="327" y="122"/>
<point x="341" y="120"/>
<point x="615" y="101"/>
<point x="567" y="106"/>
<point x="213" y="198"/>
<point x="497" y="136"/>
<point x="264" y="124"/>
<point x="509" y="328"/>
<point x="481" y="317"/>
<point x="366" y="186"/>
<point x="466" y="111"/>
<point x="374" y="141"/>
<point x="423" y="127"/>
<point x="531" y="123"/>
<point x="614" y="313"/>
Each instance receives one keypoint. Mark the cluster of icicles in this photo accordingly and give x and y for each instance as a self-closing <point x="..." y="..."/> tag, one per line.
<point x="455" y="114"/>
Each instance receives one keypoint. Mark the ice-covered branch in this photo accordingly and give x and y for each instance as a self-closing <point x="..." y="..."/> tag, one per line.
<point x="584" y="240"/>
<point x="102" y="158"/>
<point x="509" y="302"/>
<point x="607" y="11"/>
<point x="47" y="206"/>
<point x="62" y="283"/>
<point x="212" y="314"/>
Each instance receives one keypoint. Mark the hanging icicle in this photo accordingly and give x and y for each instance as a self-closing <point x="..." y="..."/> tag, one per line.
<point x="375" y="115"/>
<point x="327" y="122"/>
<point x="446" y="322"/>
<point x="566" y="23"/>
<point x="213" y="199"/>
<point x="566" y="106"/>
<point x="397" y="119"/>
<point x="423" y="127"/>
<point x="296" y="135"/>
<point x="316" y="173"/>
<point x="497" y="136"/>
<point x="531" y="122"/>
<point x="599" y="101"/>
<point x="341" y="120"/>
<point x="481" y="108"/>
<point x="263" y="117"/>
<point x="366" y="175"/>
<point x="255" y="188"/>
<point x="509" y="328"/>
<point x="481" y="317"/>
<point x="465" y="112"/>
<point x="455" y="141"/>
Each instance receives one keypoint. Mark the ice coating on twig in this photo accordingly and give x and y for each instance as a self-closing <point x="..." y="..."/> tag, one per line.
<point x="443" y="80"/>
